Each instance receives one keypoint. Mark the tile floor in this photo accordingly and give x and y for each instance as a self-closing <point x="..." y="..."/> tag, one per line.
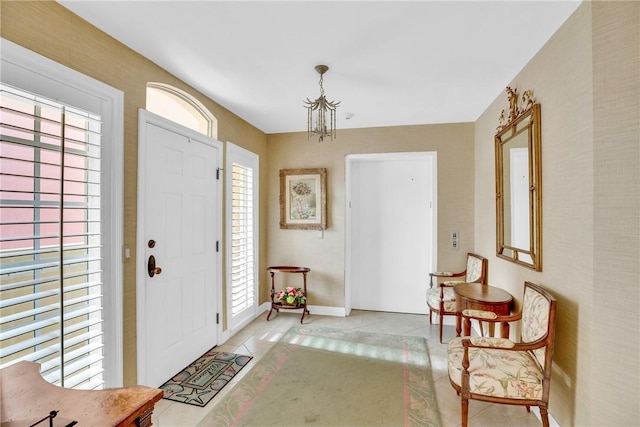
<point x="258" y="337"/>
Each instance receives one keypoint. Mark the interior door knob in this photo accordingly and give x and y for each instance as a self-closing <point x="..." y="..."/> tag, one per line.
<point x="151" y="267"/>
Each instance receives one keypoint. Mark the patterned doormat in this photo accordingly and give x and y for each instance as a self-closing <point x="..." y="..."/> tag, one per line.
<point x="199" y="382"/>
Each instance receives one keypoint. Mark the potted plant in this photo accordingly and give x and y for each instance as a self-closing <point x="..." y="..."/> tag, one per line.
<point x="291" y="296"/>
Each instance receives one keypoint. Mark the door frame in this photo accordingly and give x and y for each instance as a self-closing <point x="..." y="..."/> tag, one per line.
<point x="430" y="156"/>
<point x="145" y="116"/>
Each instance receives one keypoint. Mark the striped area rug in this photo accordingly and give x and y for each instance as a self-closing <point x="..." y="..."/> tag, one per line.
<point x="330" y="377"/>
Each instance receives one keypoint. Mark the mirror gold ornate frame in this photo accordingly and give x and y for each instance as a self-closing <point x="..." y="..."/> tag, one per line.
<point x="519" y="182"/>
<point x="303" y="199"/>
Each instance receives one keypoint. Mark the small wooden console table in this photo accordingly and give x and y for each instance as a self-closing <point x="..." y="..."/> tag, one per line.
<point x="476" y="296"/>
<point x="27" y="398"/>
<point x="276" y="305"/>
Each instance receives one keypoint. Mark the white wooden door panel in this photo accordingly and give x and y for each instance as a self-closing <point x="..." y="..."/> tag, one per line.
<point x="391" y="232"/>
<point x="177" y="307"/>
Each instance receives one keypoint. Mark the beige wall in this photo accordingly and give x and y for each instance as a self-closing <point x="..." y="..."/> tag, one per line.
<point x="52" y="31"/>
<point x="325" y="256"/>
<point x="616" y="237"/>
<point x="587" y="80"/>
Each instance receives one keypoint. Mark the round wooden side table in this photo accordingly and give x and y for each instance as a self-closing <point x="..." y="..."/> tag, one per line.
<point x="276" y="305"/>
<point x="477" y="296"/>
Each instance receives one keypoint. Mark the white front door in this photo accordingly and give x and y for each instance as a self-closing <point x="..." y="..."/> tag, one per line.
<point x="390" y="230"/>
<point x="179" y="222"/>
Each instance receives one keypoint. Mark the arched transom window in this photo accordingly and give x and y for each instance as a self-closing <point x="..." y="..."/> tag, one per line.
<point x="180" y="107"/>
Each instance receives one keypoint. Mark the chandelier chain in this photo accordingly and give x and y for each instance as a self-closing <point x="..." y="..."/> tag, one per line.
<point x="321" y="87"/>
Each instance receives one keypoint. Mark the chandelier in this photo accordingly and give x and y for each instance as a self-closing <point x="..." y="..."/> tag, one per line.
<point x="317" y="112"/>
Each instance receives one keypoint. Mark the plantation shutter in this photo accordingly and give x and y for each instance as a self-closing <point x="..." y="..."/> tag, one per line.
<point x="242" y="240"/>
<point x="50" y="239"/>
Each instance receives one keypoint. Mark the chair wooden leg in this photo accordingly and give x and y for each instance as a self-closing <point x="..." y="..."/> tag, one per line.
<point x="544" y="414"/>
<point x="430" y="317"/>
<point x="465" y="411"/>
<point x="440" y="318"/>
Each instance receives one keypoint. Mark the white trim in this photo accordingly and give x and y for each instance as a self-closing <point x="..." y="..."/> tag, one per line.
<point x="266" y="306"/>
<point x="51" y="79"/>
<point x="141" y="336"/>
<point x="431" y="156"/>
<point x="320" y="310"/>
<point x="552" y="421"/>
<point x="212" y="121"/>
<point x="237" y="154"/>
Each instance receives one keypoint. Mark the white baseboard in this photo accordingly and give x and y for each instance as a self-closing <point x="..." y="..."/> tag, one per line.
<point x="265" y="306"/>
<point x="320" y="310"/>
<point x="552" y="421"/>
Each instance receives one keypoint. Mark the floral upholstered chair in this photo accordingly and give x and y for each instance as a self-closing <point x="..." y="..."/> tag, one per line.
<point x="502" y="371"/>
<point x="441" y="299"/>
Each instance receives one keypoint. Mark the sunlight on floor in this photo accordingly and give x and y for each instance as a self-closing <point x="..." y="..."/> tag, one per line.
<point x="363" y="349"/>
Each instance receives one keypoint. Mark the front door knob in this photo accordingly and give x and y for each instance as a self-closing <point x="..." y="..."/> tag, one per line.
<point x="151" y="267"/>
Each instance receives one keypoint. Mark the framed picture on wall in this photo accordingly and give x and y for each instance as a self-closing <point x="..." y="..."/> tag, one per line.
<point x="303" y="199"/>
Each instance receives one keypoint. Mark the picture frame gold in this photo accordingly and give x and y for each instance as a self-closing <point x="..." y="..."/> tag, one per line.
<point x="303" y="199"/>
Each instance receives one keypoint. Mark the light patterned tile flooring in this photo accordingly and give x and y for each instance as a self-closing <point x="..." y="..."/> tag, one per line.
<point x="258" y="337"/>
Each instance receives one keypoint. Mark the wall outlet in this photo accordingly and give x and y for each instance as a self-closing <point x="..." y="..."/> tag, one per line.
<point x="454" y="240"/>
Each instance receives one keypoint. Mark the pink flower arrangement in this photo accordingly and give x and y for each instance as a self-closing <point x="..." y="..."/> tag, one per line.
<point x="291" y="296"/>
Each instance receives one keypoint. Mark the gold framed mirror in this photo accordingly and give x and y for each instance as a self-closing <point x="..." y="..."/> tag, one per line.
<point x="519" y="182"/>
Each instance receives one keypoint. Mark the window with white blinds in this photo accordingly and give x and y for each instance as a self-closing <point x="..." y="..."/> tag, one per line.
<point x="50" y="238"/>
<point x="242" y="261"/>
<point x="242" y="226"/>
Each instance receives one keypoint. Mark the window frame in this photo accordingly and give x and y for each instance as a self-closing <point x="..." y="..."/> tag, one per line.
<point x="197" y="106"/>
<point x="28" y="70"/>
<point x="244" y="157"/>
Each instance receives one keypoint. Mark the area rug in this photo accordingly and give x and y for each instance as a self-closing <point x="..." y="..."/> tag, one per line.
<point x="199" y="382"/>
<point x="330" y="377"/>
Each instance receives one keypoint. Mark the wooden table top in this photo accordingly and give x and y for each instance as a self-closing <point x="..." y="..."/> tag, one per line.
<point x="483" y="293"/>
<point x="27" y="398"/>
<point x="288" y="269"/>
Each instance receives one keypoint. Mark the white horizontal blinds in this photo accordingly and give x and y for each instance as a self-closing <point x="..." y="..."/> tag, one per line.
<point x="50" y="238"/>
<point x="242" y="240"/>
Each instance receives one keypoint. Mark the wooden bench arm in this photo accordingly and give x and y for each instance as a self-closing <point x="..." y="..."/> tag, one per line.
<point x="489" y="316"/>
<point x="491" y="343"/>
<point x="443" y="274"/>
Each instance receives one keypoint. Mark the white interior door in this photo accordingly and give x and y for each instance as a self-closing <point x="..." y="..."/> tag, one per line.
<point x="391" y="230"/>
<point x="179" y="220"/>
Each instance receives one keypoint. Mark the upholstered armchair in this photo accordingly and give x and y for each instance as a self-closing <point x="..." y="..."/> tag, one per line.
<point x="499" y="370"/>
<point x="441" y="299"/>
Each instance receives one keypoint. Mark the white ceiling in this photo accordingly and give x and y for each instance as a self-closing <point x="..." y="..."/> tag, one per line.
<point x="391" y="63"/>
